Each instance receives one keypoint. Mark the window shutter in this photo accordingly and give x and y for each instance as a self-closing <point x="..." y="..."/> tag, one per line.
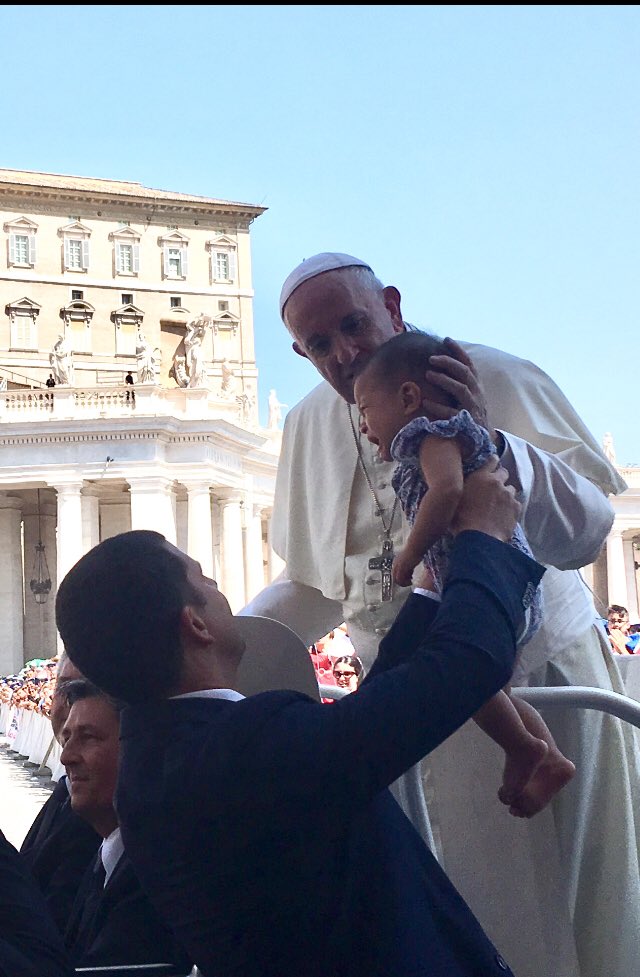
<point x="67" y="256"/>
<point x="118" y="258"/>
<point x="12" y="249"/>
<point x="233" y="270"/>
<point x="183" y="262"/>
<point x="32" y="249"/>
<point x="136" y="259"/>
<point x="85" y="253"/>
<point x="165" y="254"/>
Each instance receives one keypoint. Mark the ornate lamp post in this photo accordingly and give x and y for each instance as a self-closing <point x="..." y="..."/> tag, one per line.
<point x="40" y="583"/>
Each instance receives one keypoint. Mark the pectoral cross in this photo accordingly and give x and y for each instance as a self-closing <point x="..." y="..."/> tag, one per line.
<point x="383" y="563"/>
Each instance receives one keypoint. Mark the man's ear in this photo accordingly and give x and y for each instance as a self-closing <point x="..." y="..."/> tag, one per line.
<point x="391" y="297"/>
<point x="192" y="626"/>
<point x="297" y="349"/>
<point x="410" y="396"/>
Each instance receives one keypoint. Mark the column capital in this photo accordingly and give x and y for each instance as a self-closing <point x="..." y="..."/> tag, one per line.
<point x="67" y="488"/>
<point x="230" y="496"/>
<point x="151" y="483"/>
<point x="10" y="501"/>
<point x="197" y="486"/>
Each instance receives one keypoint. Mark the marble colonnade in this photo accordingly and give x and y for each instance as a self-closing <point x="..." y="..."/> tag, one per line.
<point x="225" y="530"/>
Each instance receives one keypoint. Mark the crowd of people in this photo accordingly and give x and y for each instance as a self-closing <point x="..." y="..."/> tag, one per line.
<point x="186" y="826"/>
<point x="624" y="636"/>
<point x="31" y="688"/>
<point x="334" y="660"/>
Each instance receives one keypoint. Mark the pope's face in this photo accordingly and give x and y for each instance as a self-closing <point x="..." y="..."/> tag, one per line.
<point x="337" y="323"/>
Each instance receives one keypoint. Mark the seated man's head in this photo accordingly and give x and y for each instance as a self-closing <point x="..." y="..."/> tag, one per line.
<point x="618" y="618"/>
<point x="59" y="709"/>
<point x="90" y="743"/>
<point x="140" y="620"/>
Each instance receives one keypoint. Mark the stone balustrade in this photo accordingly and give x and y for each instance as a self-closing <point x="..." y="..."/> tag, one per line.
<point x="120" y="401"/>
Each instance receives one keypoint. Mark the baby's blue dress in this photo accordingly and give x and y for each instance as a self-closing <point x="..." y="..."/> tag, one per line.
<point x="410" y="487"/>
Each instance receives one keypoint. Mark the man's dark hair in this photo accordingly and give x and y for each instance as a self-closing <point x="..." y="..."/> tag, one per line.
<point x="617" y="609"/>
<point x="118" y="614"/>
<point x="76" y="689"/>
<point x="404" y="357"/>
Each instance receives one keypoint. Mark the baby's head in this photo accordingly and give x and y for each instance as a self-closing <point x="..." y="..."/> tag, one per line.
<point x="390" y="388"/>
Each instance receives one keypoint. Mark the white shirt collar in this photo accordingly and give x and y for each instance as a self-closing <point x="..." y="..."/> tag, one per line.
<point x="111" y="851"/>
<point x="230" y="694"/>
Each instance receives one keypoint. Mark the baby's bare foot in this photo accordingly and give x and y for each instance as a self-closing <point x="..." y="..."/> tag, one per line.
<point x="550" y="777"/>
<point x="520" y="766"/>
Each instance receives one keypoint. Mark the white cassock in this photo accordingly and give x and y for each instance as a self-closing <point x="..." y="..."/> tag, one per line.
<point x="578" y="859"/>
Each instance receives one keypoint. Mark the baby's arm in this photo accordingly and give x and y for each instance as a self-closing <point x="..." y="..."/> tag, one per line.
<point x="441" y="463"/>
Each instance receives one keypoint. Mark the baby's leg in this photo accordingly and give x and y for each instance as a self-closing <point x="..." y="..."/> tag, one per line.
<point x="551" y="775"/>
<point x="524" y="750"/>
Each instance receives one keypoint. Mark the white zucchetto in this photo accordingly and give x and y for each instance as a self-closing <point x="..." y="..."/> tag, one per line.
<point x="316" y="265"/>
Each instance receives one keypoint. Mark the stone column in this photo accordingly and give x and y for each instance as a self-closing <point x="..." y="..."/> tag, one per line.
<point x="616" y="574"/>
<point x="69" y="526"/>
<point x="199" y="535"/>
<point x="232" y="583"/>
<point x="254" y="563"/>
<point x="153" y="505"/>
<point x="39" y="619"/>
<point x="587" y="574"/>
<point x="630" y="575"/>
<point x="276" y="565"/>
<point x="11" y="596"/>
<point x="90" y="519"/>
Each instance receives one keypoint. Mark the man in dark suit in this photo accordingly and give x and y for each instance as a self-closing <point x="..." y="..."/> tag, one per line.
<point x="242" y="815"/>
<point x="60" y="844"/>
<point x="112" y="921"/>
<point x="30" y="944"/>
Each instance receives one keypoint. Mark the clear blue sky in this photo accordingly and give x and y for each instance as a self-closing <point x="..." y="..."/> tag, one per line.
<point x="484" y="159"/>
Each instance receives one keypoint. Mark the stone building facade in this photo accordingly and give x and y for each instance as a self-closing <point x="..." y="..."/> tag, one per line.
<point x="100" y="279"/>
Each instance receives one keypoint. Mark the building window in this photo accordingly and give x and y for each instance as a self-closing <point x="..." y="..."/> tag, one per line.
<point x="127" y="258"/>
<point x="174" y="254"/>
<point x="76" y="295"/>
<point x="22" y="242"/>
<point x="174" y="262"/>
<point x="127" y="320"/>
<point x="176" y="302"/>
<point x="223" y="306"/>
<point x="222" y="258"/>
<point x="77" y="316"/>
<point x="126" y="250"/>
<point x="74" y="255"/>
<point x="22" y="316"/>
<point x="222" y="266"/>
<point x="22" y="249"/>
<point x="75" y="237"/>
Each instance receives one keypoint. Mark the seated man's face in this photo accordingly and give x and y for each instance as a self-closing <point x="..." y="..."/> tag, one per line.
<point x="214" y="607"/>
<point x="67" y="672"/>
<point x="618" y="621"/>
<point x="90" y="743"/>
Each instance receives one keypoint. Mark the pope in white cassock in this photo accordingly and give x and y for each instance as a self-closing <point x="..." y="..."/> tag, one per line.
<point x="335" y="521"/>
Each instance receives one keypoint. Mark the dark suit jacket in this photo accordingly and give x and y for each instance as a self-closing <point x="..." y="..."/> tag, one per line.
<point x="121" y="927"/>
<point x="258" y="825"/>
<point x="30" y="944"/>
<point x="57" y="849"/>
